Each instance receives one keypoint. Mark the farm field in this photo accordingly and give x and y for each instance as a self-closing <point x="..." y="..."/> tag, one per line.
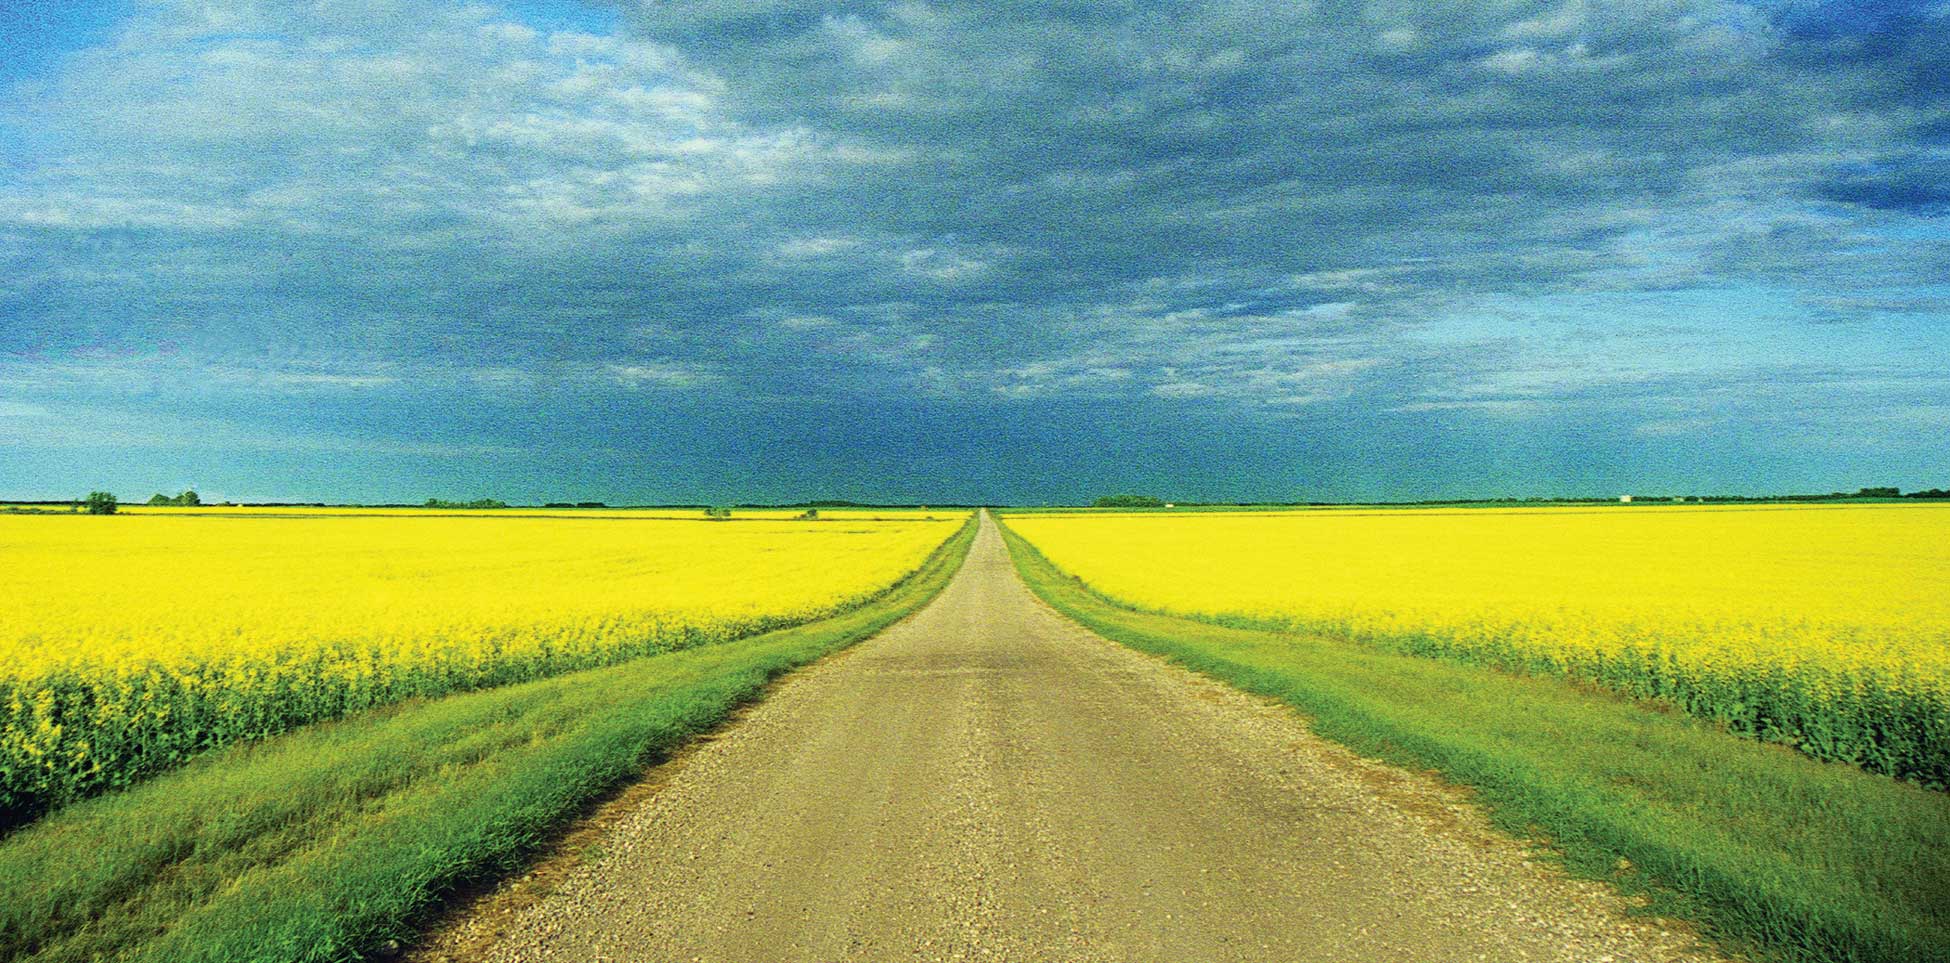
<point x="1826" y="627"/>
<point x="133" y="643"/>
<point x="683" y="514"/>
<point x="844" y="513"/>
<point x="335" y="841"/>
<point x="1776" y="855"/>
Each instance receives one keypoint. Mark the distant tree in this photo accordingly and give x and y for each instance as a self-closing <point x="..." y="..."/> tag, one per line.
<point x="1929" y="493"/>
<point x="99" y="503"/>
<point x="1129" y="501"/>
<point x="1879" y="493"/>
<point x="161" y="499"/>
<point x="189" y="499"/>
<point x="476" y="503"/>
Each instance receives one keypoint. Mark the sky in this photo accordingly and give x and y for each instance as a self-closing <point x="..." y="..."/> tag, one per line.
<point x="721" y="250"/>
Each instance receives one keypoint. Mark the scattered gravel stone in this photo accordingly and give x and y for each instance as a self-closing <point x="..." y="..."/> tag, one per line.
<point x="989" y="781"/>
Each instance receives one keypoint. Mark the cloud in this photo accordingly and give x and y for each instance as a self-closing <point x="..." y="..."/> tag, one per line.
<point x="321" y="380"/>
<point x="1912" y="182"/>
<point x="1676" y="427"/>
<point x="659" y="375"/>
<point x="94" y="428"/>
<point x="1219" y="206"/>
<point x="148" y="371"/>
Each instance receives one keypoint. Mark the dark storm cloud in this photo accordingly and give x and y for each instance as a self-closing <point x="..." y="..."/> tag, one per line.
<point x="1905" y="183"/>
<point x="1154" y="163"/>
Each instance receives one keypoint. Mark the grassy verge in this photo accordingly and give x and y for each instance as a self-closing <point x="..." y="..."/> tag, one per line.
<point x="1775" y="853"/>
<point x="325" y="843"/>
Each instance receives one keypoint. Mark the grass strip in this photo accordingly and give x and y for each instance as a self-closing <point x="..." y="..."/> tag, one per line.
<point x="1772" y="852"/>
<point x="325" y="843"/>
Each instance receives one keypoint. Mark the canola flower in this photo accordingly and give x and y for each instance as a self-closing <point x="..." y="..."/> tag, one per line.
<point x="1825" y="627"/>
<point x="131" y="643"/>
<point x="842" y="513"/>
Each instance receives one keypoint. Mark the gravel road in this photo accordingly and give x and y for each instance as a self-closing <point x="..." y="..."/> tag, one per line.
<point x="989" y="781"/>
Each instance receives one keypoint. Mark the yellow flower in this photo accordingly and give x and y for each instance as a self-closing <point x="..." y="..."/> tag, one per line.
<point x="1762" y="615"/>
<point x="231" y="625"/>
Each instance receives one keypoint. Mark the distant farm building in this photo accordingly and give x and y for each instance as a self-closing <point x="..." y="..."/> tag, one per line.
<point x="1625" y="498"/>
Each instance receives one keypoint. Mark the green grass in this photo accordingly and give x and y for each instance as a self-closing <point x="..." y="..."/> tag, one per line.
<point x="1774" y="853"/>
<point x="324" y="843"/>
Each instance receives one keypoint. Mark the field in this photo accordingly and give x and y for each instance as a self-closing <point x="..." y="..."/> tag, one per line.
<point x="329" y="841"/>
<point x="1824" y="627"/>
<point x="684" y="514"/>
<point x="843" y="513"/>
<point x="322" y="723"/>
<point x="1772" y="853"/>
<point x="132" y="643"/>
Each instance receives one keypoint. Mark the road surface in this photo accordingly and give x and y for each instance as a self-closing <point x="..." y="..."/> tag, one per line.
<point x="989" y="781"/>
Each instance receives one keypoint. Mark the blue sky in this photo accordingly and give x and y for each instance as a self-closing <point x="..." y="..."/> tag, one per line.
<point x="700" y="250"/>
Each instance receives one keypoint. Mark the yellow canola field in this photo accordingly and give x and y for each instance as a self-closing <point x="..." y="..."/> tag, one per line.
<point x="1827" y="627"/>
<point x="737" y="514"/>
<point x="128" y="643"/>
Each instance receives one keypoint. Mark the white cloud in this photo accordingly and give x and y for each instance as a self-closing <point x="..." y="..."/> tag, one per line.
<point x="142" y="371"/>
<point x="819" y="246"/>
<point x="305" y="379"/>
<point x="945" y="266"/>
<point x="805" y="322"/>
<point x="1498" y="407"/>
<point x="472" y="116"/>
<point x="659" y="375"/>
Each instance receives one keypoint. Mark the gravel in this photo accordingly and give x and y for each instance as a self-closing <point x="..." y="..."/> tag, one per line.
<point x="987" y="781"/>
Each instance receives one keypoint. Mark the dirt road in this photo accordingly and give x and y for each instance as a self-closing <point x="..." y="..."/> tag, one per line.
<point x="988" y="781"/>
